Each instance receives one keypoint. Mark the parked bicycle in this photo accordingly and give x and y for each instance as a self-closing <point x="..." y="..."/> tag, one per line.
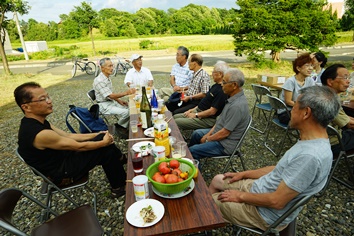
<point x="119" y="66"/>
<point x="84" y="65"/>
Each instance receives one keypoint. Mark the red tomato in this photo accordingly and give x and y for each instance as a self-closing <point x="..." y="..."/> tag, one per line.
<point x="180" y="180"/>
<point x="171" y="179"/>
<point x="160" y="179"/>
<point x="174" y="164"/>
<point x="163" y="168"/>
<point x="156" y="175"/>
<point x="176" y="172"/>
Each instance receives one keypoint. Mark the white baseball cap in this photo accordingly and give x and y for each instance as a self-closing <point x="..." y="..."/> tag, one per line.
<point x="134" y="57"/>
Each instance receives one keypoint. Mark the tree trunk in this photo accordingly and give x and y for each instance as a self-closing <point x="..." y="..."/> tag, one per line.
<point x="4" y="60"/>
<point x="93" y="42"/>
<point x="275" y="56"/>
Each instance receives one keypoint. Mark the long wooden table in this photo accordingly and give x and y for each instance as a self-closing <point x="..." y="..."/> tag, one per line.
<point x="192" y="213"/>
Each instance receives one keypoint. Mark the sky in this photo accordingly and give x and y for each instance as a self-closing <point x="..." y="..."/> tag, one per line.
<point x="49" y="10"/>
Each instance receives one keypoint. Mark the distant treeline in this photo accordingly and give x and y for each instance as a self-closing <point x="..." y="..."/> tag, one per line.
<point x="191" y="19"/>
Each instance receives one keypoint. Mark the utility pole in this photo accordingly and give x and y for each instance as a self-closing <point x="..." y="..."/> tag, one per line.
<point x="21" y="36"/>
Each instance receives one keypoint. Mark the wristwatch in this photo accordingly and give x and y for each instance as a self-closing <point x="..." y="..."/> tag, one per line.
<point x="196" y="115"/>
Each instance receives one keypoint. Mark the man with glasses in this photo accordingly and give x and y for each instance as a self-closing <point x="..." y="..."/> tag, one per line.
<point x="180" y="76"/>
<point x="204" y="115"/>
<point x="139" y="75"/>
<point x="61" y="156"/>
<point x="222" y="137"/>
<point x="197" y="89"/>
<point x="110" y="103"/>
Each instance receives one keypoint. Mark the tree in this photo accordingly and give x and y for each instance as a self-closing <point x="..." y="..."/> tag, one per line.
<point x="277" y="25"/>
<point x="347" y="21"/>
<point x="7" y="6"/>
<point x="87" y="19"/>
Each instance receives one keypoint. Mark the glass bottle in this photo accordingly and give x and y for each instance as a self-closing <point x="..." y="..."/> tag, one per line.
<point x="154" y="103"/>
<point x="145" y="110"/>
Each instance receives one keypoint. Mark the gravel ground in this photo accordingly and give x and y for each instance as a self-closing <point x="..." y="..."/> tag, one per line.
<point x="331" y="214"/>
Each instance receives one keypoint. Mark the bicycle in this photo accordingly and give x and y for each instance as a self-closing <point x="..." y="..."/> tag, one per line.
<point x="122" y="67"/>
<point x="84" y="65"/>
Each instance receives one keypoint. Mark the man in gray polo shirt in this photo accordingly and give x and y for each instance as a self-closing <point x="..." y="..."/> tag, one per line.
<point x="232" y="122"/>
<point x="256" y="198"/>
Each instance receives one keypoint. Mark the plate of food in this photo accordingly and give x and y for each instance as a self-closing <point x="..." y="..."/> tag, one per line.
<point x="144" y="147"/>
<point x="150" y="132"/>
<point x="145" y="213"/>
<point x="185" y="192"/>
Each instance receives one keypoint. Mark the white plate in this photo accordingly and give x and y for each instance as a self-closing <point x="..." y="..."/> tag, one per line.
<point x="185" y="192"/>
<point x="138" y="145"/>
<point x="150" y="132"/>
<point x="133" y="212"/>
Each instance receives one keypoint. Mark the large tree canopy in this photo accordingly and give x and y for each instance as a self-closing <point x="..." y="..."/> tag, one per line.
<point x="282" y="24"/>
<point x="347" y="21"/>
<point x="7" y="6"/>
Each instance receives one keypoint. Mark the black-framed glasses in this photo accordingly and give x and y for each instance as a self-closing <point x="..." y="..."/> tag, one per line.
<point x="46" y="99"/>
<point x="343" y="77"/>
<point x="230" y="82"/>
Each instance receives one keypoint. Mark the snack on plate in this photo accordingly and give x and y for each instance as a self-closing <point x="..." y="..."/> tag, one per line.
<point x="147" y="214"/>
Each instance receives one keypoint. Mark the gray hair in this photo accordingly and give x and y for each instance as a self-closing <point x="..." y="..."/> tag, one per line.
<point x="221" y="66"/>
<point x="184" y="50"/>
<point x="236" y="76"/>
<point x="322" y="100"/>
<point x="103" y="61"/>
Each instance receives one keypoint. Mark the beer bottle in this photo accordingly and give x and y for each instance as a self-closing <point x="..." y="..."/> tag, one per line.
<point x="145" y="110"/>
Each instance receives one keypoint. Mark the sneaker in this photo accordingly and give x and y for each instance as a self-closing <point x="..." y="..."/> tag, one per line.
<point x="118" y="192"/>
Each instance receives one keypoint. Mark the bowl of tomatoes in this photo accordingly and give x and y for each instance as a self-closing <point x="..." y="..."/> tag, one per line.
<point x="171" y="176"/>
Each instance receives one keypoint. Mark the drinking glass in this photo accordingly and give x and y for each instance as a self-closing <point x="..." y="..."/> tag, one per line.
<point x="137" y="161"/>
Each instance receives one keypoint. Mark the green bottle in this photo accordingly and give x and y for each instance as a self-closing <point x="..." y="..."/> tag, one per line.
<point x="145" y="110"/>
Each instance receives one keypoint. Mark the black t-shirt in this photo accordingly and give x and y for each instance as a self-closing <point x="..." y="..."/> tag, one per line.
<point x="48" y="161"/>
<point x="215" y="97"/>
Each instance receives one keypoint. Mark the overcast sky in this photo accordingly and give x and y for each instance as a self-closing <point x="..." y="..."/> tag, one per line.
<point x="49" y="10"/>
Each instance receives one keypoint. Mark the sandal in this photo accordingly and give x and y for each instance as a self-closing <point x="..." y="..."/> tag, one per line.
<point x="116" y="193"/>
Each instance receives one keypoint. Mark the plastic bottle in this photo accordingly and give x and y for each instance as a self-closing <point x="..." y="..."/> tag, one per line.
<point x="154" y="103"/>
<point x="161" y="134"/>
<point x="145" y="110"/>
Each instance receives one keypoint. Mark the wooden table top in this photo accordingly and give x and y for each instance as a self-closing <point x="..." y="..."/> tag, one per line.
<point x="192" y="213"/>
<point x="275" y="86"/>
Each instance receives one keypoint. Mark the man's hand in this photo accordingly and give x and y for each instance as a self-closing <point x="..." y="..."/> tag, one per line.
<point x="108" y="138"/>
<point x="230" y="196"/>
<point x="204" y="138"/>
<point x="176" y="88"/>
<point x="131" y="91"/>
<point x="121" y="102"/>
<point x="185" y="99"/>
<point x="233" y="177"/>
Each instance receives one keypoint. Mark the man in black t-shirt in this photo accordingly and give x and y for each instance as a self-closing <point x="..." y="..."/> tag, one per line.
<point x="62" y="156"/>
<point x="204" y="115"/>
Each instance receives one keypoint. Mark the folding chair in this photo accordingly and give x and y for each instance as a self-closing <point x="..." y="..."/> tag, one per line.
<point x="79" y="221"/>
<point x="92" y="97"/>
<point x="290" y="230"/>
<point x="49" y="188"/>
<point x="276" y="104"/>
<point x="336" y="159"/>
<point x="75" y="116"/>
<point x="236" y="152"/>
<point x="259" y="92"/>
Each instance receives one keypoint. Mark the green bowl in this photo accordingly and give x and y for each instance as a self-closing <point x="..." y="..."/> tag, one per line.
<point x="175" y="187"/>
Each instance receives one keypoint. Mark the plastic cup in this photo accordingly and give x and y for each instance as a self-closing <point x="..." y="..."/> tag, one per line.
<point x="134" y="126"/>
<point x="141" y="188"/>
<point x="137" y="161"/>
<point x="183" y="148"/>
<point x="196" y="164"/>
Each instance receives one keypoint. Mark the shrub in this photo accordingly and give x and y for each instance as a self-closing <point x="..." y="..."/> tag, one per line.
<point x="145" y="44"/>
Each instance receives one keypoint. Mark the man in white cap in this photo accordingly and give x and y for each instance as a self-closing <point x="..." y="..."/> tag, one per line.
<point x="139" y="75"/>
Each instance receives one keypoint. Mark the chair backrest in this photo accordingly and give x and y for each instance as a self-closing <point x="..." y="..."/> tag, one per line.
<point x="260" y="91"/>
<point x="301" y="202"/>
<point x="238" y="146"/>
<point x="331" y="131"/>
<point x="84" y="128"/>
<point x="277" y="103"/>
<point x="92" y="96"/>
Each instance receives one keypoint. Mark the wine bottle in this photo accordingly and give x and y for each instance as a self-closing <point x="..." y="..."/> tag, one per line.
<point x="154" y="103"/>
<point x="145" y="110"/>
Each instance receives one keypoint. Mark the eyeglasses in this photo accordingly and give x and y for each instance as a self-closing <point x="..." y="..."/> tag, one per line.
<point x="230" y="82"/>
<point x="215" y="71"/>
<point x="46" y="99"/>
<point x="308" y="65"/>
<point x="346" y="77"/>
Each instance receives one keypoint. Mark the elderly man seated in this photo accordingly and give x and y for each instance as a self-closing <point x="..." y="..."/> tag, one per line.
<point x="204" y="115"/>
<point x="222" y="137"/>
<point x="256" y="198"/>
<point x="139" y="75"/>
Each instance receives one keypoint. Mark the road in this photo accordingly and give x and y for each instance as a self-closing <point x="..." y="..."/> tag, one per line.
<point x="162" y="64"/>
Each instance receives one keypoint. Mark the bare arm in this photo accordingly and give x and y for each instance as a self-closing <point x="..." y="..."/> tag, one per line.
<point x="288" y="96"/>
<point x="76" y="137"/>
<point x="277" y="199"/>
<point x="53" y="140"/>
<point x="220" y="135"/>
<point x="116" y="96"/>
<point x="248" y="174"/>
<point x="196" y="96"/>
